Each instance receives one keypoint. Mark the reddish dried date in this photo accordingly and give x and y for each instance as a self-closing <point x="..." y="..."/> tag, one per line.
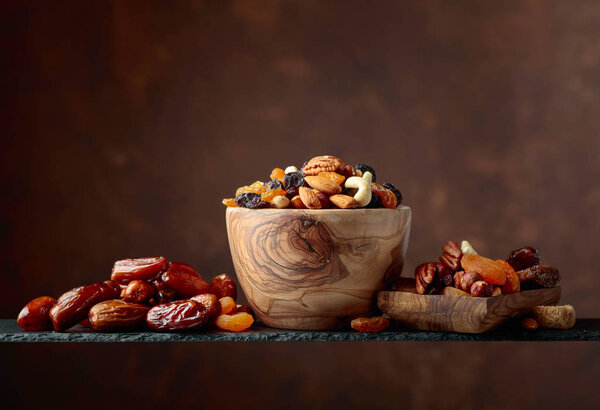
<point x="211" y="303"/>
<point x="126" y="270"/>
<point x="177" y="316"/>
<point x="117" y="315"/>
<point x="36" y="314"/>
<point x="185" y="284"/>
<point x="182" y="267"/>
<point x="224" y="285"/>
<point x="138" y="291"/>
<point x="164" y="293"/>
<point x="246" y="309"/>
<point x="73" y="306"/>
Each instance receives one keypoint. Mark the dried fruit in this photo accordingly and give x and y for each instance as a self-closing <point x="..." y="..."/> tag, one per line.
<point x="277" y="174"/>
<point x="177" y="316"/>
<point x="182" y="267"/>
<point x="138" y="291"/>
<point x="235" y="323"/>
<point x="274" y="184"/>
<point x="524" y="258"/>
<point x="224" y="285"/>
<point x="228" y="305"/>
<point x="452" y="255"/>
<point x="245" y="309"/>
<point x="395" y="191"/>
<point x="482" y="288"/>
<point x="375" y="202"/>
<point x="309" y="198"/>
<point x="250" y="189"/>
<point x="211" y="303"/>
<point x="36" y="314"/>
<point x="229" y="202"/>
<point x="360" y="169"/>
<point x="185" y="284"/>
<point x="489" y="270"/>
<point x="164" y="293"/>
<point x="73" y="306"/>
<point x="512" y="284"/>
<point x="370" y="325"/>
<point x="124" y="271"/>
<point x="294" y="180"/>
<point x="539" y="276"/>
<point x="250" y="200"/>
<point x="529" y="323"/>
<point x="292" y="192"/>
<point x="388" y="199"/>
<point x="333" y="176"/>
<point x="269" y="195"/>
<point x="117" y="315"/>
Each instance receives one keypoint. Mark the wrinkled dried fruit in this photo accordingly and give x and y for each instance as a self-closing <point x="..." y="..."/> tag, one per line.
<point x="292" y="192"/>
<point x="245" y="309"/>
<point x="370" y="325"/>
<point x="529" y="323"/>
<point x="182" y="267"/>
<point x="277" y="174"/>
<point x="124" y="271"/>
<point x="117" y="315"/>
<point x="224" y="285"/>
<point x="177" y="316"/>
<point x="211" y="303"/>
<point x="375" y="202"/>
<point x="512" y="284"/>
<point x="73" y="306"/>
<point x="138" y="291"/>
<point x="489" y="270"/>
<point x="269" y="195"/>
<point x="333" y="176"/>
<point x="524" y="258"/>
<point x="235" y="323"/>
<point x="294" y="180"/>
<point x="229" y="202"/>
<point x="274" y="184"/>
<point x="395" y="191"/>
<point x="360" y="170"/>
<point x="388" y="199"/>
<point x="164" y="293"/>
<point x="185" y="284"/>
<point x="250" y="200"/>
<point x="228" y="305"/>
<point x="36" y="314"/>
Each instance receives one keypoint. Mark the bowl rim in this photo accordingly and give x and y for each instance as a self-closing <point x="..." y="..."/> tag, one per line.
<point x="318" y="211"/>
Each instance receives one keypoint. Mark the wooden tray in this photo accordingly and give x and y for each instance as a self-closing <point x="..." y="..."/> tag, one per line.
<point x="461" y="313"/>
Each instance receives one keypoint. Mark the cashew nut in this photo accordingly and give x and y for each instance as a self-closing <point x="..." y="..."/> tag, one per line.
<point x="467" y="249"/>
<point x="363" y="195"/>
<point x="367" y="176"/>
<point x="291" y="168"/>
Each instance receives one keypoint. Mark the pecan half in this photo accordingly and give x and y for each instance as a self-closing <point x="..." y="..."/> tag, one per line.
<point x="452" y="255"/>
<point x="424" y="275"/>
<point x="327" y="163"/>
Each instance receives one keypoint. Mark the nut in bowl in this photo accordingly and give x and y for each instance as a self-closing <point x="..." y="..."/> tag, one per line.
<point x="318" y="263"/>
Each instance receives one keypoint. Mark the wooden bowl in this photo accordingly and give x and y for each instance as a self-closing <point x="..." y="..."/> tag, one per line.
<point x="316" y="269"/>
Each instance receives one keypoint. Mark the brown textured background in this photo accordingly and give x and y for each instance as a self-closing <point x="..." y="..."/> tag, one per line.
<point x="125" y="123"/>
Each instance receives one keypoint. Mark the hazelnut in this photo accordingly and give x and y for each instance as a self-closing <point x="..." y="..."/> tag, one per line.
<point x="468" y="279"/>
<point x="482" y="289"/>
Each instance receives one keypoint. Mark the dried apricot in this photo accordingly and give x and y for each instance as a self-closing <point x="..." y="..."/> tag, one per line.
<point x="277" y="173"/>
<point x="228" y="305"/>
<point x="235" y="323"/>
<point x="371" y="325"/>
<point x="489" y="270"/>
<point x="333" y="176"/>
<point x="229" y="202"/>
<point x="269" y="195"/>
<point x="256" y="188"/>
<point x="513" y="285"/>
<point x="388" y="199"/>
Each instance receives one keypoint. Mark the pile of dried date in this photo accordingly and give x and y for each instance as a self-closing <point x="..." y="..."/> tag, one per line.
<point x="323" y="182"/>
<point x="147" y="292"/>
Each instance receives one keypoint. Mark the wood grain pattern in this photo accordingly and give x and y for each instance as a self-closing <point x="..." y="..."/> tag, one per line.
<point x="461" y="313"/>
<point x="316" y="269"/>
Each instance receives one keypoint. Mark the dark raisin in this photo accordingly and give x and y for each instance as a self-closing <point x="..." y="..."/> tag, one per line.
<point x="292" y="192"/>
<point x="250" y="200"/>
<point x="394" y="190"/>
<point x="375" y="202"/>
<point x="448" y="280"/>
<point x="294" y="179"/>
<point x="524" y="258"/>
<point x="442" y="270"/>
<point x="366" y="168"/>
<point x="274" y="184"/>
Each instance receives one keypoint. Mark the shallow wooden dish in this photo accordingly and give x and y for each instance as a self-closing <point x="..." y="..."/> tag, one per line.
<point x="316" y="269"/>
<point x="463" y="314"/>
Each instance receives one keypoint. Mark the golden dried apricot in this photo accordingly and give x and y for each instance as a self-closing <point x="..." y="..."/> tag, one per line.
<point x="256" y="188"/>
<point x="513" y="285"/>
<point x="388" y="199"/>
<point x="229" y="202"/>
<point x="228" y="305"/>
<point x="269" y="195"/>
<point x="277" y="173"/>
<point x="333" y="176"/>
<point x="235" y="323"/>
<point x="370" y="325"/>
<point x="490" y="271"/>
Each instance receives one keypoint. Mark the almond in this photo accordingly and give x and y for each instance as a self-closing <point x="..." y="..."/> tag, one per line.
<point x="343" y="201"/>
<point x="323" y="184"/>
<point x="297" y="202"/>
<point x="309" y="198"/>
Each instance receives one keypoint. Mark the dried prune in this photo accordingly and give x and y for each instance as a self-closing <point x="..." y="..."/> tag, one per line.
<point x="250" y="200"/>
<point x="274" y="184"/>
<point x="394" y="191"/>
<point x="294" y="179"/>
<point x="366" y="168"/>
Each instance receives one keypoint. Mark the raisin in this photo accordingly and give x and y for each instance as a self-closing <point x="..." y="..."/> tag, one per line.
<point x="373" y="324"/>
<point x="236" y="323"/>
<point x="229" y="202"/>
<point x="228" y="305"/>
<point x="366" y="168"/>
<point x="274" y="184"/>
<point x="292" y="192"/>
<point x="333" y="176"/>
<point x="277" y="174"/>
<point x="375" y="202"/>
<point x="269" y="195"/>
<point x="294" y="180"/>
<point x="250" y="200"/>
<point x="245" y="309"/>
<point x="256" y="187"/>
<point x="388" y="199"/>
<point x="394" y="191"/>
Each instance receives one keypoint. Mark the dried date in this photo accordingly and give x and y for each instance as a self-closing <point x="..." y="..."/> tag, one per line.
<point x="185" y="284"/>
<point x="224" y="285"/>
<point x="126" y="270"/>
<point x="211" y="303"/>
<point x="138" y="291"/>
<point x="181" y="315"/>
<point x="117" y="315"/>
<point x="36" y="314"/>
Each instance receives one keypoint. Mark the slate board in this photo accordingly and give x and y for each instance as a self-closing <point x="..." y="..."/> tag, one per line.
<point x="585" y="329"/>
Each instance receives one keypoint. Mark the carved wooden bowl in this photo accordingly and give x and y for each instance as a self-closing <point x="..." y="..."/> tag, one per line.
<point x="316" y="269"/>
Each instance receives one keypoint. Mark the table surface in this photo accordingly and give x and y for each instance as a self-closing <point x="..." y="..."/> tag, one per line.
<point x="584" y="330"/>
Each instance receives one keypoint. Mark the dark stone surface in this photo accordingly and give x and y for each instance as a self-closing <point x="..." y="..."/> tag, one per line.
<point x="585" y="329"/>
